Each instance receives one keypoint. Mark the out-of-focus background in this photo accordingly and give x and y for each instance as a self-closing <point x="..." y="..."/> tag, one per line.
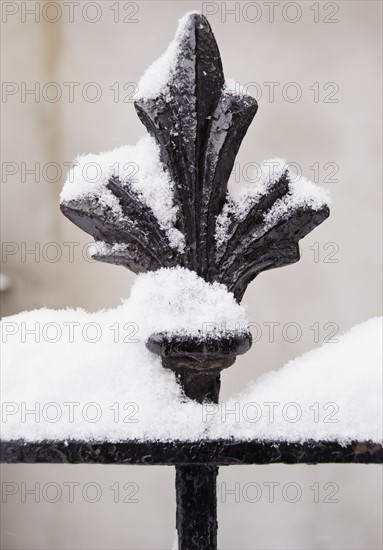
<point x="70" y="72"/>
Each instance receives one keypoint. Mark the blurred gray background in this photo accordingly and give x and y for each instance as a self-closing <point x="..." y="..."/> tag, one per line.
<point x="322" y="60"/>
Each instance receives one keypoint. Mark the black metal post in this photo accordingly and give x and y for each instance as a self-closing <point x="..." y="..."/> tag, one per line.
<point x="196" y="485"/>
<point x="196" y="516"/>
<point x="197" y="364"/>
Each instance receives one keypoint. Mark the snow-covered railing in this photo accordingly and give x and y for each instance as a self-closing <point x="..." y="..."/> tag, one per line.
<point x="196" y="248"/>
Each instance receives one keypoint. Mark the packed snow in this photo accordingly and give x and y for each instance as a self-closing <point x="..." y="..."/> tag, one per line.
<point x="69" y="374"/>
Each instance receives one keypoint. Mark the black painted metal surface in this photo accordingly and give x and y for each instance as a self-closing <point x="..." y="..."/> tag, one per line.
<point x="197" y="361"/>
<point x="196" y="516"/>
<point x="218" y="452"/>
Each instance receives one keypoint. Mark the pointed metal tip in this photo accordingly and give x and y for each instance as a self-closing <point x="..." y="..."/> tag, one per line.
<point x="197" y="21"/>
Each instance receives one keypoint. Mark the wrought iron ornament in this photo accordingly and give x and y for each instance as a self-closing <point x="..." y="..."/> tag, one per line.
<point x="199" y="127"/>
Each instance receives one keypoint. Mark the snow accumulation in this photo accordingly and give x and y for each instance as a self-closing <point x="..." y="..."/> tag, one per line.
<point x="140" y="165"/>
<point x="332" y="393"/>
<point x="69" y="374"/>
<point x="302" y="193"/>
<point x="155" y="80"/>
<point x="101" y="358"/>
<point x="157" y="76"/>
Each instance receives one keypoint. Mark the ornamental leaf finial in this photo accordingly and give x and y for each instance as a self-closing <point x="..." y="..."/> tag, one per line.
<point x="197" y="123"/>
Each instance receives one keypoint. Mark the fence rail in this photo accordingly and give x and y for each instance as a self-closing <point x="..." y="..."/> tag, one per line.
<point x="218" y="452"/>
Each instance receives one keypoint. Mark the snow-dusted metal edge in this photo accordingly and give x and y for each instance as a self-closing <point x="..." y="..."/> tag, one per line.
<point x="219" y="452"/>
